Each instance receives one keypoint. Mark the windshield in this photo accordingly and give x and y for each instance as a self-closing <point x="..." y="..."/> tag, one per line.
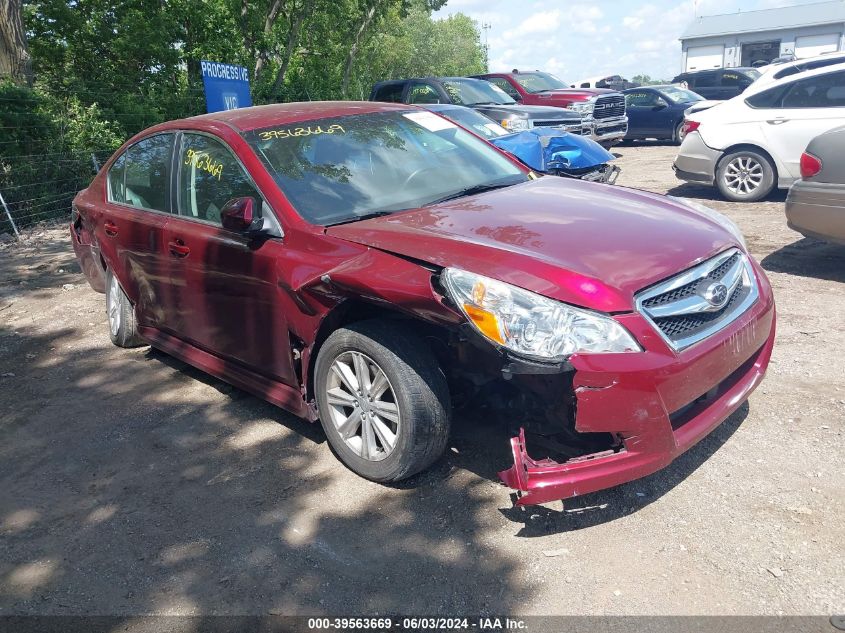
<point x="475" y="121"/>
<point x="752" y="73"/>
<point x="340" y="169"/>
<point x="470" y="92"/>
<point x="539" y="82"/>
<point x="680" y="95"/>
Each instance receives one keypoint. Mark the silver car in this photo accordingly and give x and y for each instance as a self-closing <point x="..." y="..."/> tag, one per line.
<point x="815" y="206"/>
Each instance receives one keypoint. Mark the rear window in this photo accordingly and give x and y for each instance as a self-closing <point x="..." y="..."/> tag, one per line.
<point x="391" y="93"/>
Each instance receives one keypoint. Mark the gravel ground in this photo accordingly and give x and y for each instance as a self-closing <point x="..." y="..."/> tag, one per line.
<point x="131" y="483"/>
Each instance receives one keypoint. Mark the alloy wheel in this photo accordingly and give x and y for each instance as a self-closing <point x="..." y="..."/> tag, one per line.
<point x="114" y="307"/>
<point x="363" y="406"/>
<point x="743" y="175"/>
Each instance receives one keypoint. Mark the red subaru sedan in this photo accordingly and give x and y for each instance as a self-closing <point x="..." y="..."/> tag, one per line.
<point x="373" y="265"/>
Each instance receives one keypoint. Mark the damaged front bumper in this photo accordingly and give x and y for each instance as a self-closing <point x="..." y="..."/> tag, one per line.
<point x="658" y="403"/>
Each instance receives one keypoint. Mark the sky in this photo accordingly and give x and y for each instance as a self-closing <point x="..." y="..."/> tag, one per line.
<point x="579" y="39"/>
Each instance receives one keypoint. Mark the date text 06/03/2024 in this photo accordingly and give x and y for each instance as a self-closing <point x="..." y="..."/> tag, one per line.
<point x="418" y="624"/>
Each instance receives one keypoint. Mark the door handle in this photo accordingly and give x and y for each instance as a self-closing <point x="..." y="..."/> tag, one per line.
<point x="777" y="121"/>
<point x="110" y="228"/>
<point x="178" y="248"/>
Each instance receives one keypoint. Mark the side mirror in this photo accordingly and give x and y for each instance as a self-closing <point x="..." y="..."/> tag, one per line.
<point x="239" y="215"/>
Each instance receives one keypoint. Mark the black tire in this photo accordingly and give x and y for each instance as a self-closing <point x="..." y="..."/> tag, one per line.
<point x="123" y="329"/>
<point x="745" y="175"/>
<point x="417" y="387"/>
<point x="679" y="135"/>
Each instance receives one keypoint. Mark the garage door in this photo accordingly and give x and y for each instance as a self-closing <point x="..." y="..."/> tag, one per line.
<point x="812" y="45"/>
<point x="701" y="57"/>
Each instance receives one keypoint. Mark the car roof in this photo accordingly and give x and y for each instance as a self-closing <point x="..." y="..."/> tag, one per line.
<point x="246" y="119"/>
<point x="760" y="86"/>
<point x="779" y="71"/>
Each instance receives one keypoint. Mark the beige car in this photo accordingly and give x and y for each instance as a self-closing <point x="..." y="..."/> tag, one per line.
<point x="815" y="206"/>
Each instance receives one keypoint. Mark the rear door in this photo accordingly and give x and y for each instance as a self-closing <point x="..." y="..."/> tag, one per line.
<point x="131" y="235"/>
<point x="705" y="84"/>
<point x="231" y="303"/>
<point x="807" y="108"/>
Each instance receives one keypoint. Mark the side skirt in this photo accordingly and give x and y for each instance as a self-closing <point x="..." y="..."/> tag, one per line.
<point x="281" y="395"/>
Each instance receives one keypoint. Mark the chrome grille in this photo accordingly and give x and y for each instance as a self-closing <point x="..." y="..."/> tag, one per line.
<point x="609" y="106"/>
<point x="573" y="126"/>
<point x="701" y="301"/>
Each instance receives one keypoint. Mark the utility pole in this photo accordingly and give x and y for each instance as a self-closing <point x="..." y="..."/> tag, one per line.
<point x="486" y="26"/>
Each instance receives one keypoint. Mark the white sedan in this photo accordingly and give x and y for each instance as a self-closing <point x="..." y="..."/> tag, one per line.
<point x="753" y="143"/>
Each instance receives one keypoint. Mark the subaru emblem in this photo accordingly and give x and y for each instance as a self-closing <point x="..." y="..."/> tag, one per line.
<point x="716" y="294"/>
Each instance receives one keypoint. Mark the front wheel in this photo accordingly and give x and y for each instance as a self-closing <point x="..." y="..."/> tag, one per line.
<point x="383" y="400"/>
<point x="745" y="176"/>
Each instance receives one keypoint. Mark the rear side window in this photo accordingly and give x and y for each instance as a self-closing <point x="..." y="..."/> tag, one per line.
<point x="210" y="176"/>
<point x="117" y="186"/>
<point x="825" y="91"/>
<point x="147" y="177"/>
<point x="768" y="98"/>
<point x="391" y="93"/>
<point x="703" y="80"/>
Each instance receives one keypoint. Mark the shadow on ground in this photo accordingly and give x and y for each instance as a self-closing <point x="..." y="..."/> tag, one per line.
<point x="127" y="488"/>
<point x="703" y="192"/>
<point x="808" y="258"/>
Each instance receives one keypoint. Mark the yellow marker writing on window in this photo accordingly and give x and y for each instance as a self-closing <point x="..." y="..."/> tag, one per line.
<point x="201" y="160"/>
<point x="300" y="131"/>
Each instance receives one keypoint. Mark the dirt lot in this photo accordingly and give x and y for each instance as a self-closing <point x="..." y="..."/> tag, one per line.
<point x="131" y="483"/>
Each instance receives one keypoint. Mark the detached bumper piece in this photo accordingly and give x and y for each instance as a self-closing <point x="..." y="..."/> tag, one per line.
<point x="641" y="404"/>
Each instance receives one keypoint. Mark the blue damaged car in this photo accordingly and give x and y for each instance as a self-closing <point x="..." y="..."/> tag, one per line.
<point x="546" y="150"/>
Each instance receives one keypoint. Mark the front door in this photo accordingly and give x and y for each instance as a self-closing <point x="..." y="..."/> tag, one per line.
<point x="232" y="303"/>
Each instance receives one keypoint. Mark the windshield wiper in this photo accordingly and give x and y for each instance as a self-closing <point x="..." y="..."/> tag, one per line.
<point x="366" y="216"/>
<point x="471" y="191"/>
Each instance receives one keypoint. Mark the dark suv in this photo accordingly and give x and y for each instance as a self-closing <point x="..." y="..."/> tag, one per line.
<point x="489" y="100"/>
<point x="720" y="83"/>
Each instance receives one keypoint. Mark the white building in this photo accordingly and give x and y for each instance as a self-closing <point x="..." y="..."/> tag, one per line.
<point x="740" y="39"/>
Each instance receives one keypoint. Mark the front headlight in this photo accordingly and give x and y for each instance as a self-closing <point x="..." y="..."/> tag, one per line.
<point x="721" y="219"/>
<point x="583" y="107"/>
<point x="516" y="125"/>
<point x="531" y="325"/>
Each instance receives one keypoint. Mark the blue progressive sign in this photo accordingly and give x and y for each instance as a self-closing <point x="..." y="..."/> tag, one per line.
<point x="226" y="86"/>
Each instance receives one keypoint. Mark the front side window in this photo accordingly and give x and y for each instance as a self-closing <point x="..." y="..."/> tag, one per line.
<point x="147" y="173"/>
<point x="644" y="99"/>
<point x="423" y="93"/>
<point x="539" y="82"/>
<point x="209" y="177"/>
<point x="341" y="169"/>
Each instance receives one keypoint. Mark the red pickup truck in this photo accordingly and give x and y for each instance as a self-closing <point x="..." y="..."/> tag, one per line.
<point x="603" y="109"/>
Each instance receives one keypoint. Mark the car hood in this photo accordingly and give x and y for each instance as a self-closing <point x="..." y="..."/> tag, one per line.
<point x="587" y="244"/>
<point x="583" y="93"/>
<point x="534" y="113"/>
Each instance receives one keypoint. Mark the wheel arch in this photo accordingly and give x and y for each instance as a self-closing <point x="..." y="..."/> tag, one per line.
<point x="350" y="311"/>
